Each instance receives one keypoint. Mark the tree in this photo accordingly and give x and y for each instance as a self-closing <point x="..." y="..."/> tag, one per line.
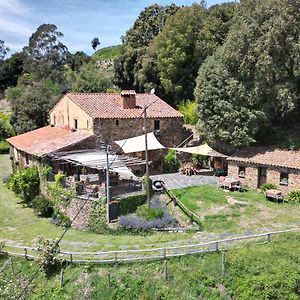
<point x="134" y="44"/>
<point x="10" y="70"/>
<point x="91" y="78"/>
<point x="3" y="50"/>
<point x="45" y="56"/>
<point x="251" y="85"/>
<point x="77" y="60"/>
<point x="5" y="127"/>
<point x="172" y="60"/>
<point x="31" y="103"/>
<point x="95" y="43"/>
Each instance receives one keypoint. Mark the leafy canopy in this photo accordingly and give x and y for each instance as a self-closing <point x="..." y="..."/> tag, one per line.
<point x="251" y="85"/>
<point x="45" y="55"/>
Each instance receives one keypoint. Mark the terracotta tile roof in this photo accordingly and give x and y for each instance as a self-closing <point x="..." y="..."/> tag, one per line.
<point x="47" y="139"/>
<point x="269" y="156"/>
<point x="109" y="106"/>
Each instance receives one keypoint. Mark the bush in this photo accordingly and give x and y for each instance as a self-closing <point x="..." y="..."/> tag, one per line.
<point x="4" y="147"/>
<point x="45" y="171"/>
<point x="47" y="251"/>
<point x="149" y="213"/>
<point x="42" y="207"/>
<point x="268" y="186"/>
<point x="171" y="163"/>
<point x="25" y="183"/>
<point x="59" y="194"/>
<point x="189" y="110"/>
<point x="97" y="218"/>
<point x="129" y="204"/>
<point x="293" y="196"/>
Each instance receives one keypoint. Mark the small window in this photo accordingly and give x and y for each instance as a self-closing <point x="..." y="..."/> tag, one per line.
<point x="284" y="178"/>
<point x="75" y="123"/>
<point x="242" y="171"/>
<point x="117" y="122"/>
<point x="87" y="124"/>
<point x="54" y="120"/>
<point x="156" y="125"/>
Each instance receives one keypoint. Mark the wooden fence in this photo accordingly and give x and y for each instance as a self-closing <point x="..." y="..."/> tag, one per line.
<point x="149" y="254"/>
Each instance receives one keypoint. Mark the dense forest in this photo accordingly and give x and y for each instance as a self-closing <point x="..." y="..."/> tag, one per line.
<point x="233" y="69"/>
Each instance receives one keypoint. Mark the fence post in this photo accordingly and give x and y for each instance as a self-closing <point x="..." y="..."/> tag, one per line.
<point x="62" y="277"/>
<point x="108" y="280"/>
<point x="166" y="269"/>
<point x="269" y="237"/>
<point x="12" y="266"/>
<point x="191" y="218"/>
<point x="223" y="263"/>
<point x="71" y="257"/>
<point x="116" y="257"/>
<point x="217" y="246"/>
<point x="25" y="255"/>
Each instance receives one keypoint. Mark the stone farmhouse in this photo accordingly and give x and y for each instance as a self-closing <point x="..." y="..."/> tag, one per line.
<point x="256" y="166"/>
<point x="118" y="116"/>
<point x="84" y="120"/>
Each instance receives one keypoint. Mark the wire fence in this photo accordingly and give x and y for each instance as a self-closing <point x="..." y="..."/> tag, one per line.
<point x="152" y="253"/>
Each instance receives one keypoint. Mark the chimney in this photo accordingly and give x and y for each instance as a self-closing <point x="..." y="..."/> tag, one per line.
<point x="128" y="99"/>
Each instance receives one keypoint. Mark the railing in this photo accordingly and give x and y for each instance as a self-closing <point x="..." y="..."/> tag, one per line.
<point x="149" y="254"/>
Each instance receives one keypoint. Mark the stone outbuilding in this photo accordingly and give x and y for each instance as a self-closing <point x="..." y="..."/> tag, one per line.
<point x="30" y="148"/>
<point x="256" y="166"/>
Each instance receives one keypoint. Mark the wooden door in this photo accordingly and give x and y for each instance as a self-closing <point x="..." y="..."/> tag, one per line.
<point x="262" y="176"/>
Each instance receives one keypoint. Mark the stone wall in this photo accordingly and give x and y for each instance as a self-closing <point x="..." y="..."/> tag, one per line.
<point x="170" y="134"/>
<point x="72" y="209"/>
<point x="273" y="176"/>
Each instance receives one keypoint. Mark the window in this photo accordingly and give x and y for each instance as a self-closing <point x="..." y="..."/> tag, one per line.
<point x="54" y="120"/>
<point x="156" y="125"/>
<point x="242" y="171"/>
<point x="75" y="123"/>
<point x="284" y="178"/>
<point x="87" y="124"/>
<point x="117" y="122"/>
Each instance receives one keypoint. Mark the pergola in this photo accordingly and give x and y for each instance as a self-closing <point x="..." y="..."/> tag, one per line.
<point x="96" y="159"/>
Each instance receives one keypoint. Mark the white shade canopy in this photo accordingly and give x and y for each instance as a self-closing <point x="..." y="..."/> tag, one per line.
<point x="137" y="143"/>
<point x="201" y="150"/>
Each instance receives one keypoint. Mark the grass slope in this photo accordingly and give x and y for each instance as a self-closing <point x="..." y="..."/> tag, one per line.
<point x="269" y="271"/>
<point x="107" y="53"/>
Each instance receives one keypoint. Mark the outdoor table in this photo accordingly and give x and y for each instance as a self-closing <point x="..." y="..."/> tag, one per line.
<point x="230" y="183"/>
<point x="275" y="194"/>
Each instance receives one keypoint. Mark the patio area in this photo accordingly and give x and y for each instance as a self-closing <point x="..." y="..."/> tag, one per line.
<point x="178" y="180"/>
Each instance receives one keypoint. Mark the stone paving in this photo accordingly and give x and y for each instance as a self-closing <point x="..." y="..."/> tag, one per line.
<point x="178" y="180"/>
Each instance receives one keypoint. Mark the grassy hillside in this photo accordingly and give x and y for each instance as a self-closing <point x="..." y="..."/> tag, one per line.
<point x="107" y="53"/>
<point x="269" y="271"/>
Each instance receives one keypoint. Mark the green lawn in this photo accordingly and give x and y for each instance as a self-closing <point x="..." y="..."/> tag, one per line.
<point x="234" y="212"/>
<point x="19" y="225"/>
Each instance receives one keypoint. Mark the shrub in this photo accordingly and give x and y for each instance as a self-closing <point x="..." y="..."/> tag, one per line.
<point x="129" y="204"/>
<point x="97" y="218"/>
<point x="189" y="110"/>
<point x="47" y="251"/>
<point x="267" y="186"/>
<point x="59" y="194"/>
<point x="149" y="213"/>
<point x="42" y="207"/>
<point x="4" y="147"/>
<point x="25" y="183"/>
<point x="45" y="171"/>
<point x="171" y="163"/>
<point x="293" y="196"/>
